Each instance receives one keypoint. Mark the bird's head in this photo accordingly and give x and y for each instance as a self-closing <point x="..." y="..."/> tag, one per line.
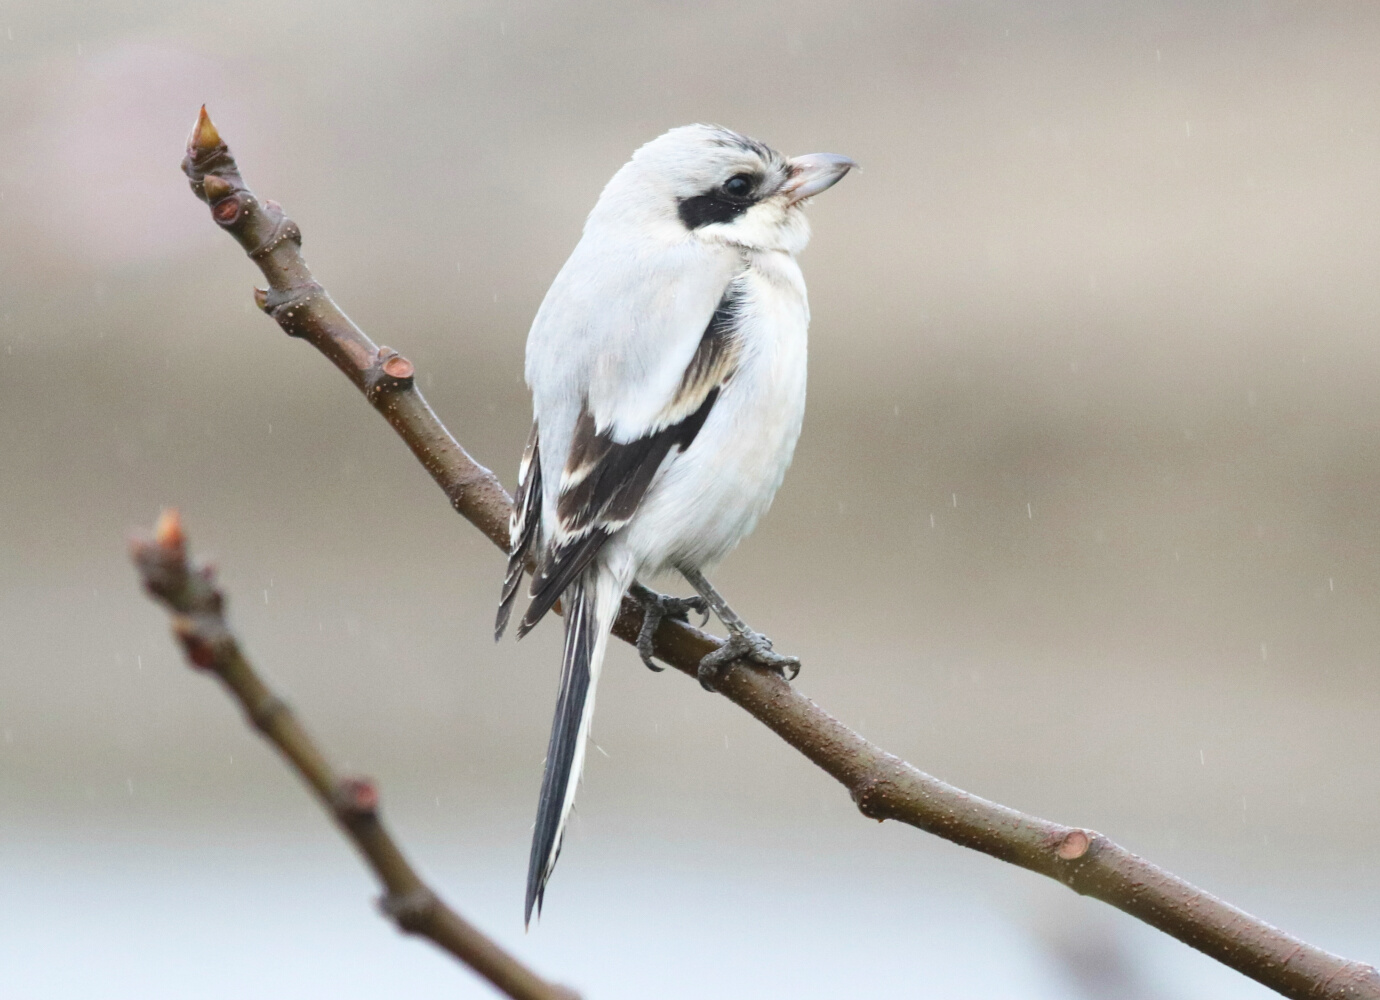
<point x="719" y="186"/>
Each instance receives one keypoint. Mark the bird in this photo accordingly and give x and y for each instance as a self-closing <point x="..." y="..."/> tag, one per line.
<point x="667" y="368"/>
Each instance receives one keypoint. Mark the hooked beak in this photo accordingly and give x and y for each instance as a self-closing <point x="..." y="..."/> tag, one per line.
<point x="813" y="173"/>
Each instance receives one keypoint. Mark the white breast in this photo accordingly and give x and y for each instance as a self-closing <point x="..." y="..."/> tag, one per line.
<point x="711" y="496"/>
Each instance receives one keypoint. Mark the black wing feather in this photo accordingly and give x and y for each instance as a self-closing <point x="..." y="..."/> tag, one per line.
<point x="524" y="525"/>
<point x="605" y="481"/>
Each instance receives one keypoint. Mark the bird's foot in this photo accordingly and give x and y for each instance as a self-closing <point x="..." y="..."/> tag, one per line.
<point x="655" y="608"/>
<point x="745" y="645"/>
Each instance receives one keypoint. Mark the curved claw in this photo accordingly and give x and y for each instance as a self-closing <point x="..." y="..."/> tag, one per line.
<point x="651" y="620"/>
<point x="751" y="646"/>
<point x="655" y="607"/>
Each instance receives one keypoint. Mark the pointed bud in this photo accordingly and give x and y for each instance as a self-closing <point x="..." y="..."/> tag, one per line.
<point x="204" y="137"/>
<point x="167" y="530"/>
<point x="216" y="187"/>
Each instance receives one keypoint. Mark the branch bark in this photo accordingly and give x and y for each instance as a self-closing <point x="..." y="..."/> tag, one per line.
<point x="882" y="785"/>
<point x="198" y="616"/>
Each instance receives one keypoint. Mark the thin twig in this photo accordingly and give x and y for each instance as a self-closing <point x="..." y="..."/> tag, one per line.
<point x="882" y="785"/>
<point x="198" y="621"/>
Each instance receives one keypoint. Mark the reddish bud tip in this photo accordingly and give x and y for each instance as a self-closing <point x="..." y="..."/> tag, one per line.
<point x="398" y="367"/>
<point x="198" y="650"/>
<point x="216" y="187"/>
<point x="204" y="137"/>
<point x="1074" y="845"/>
<point x="167" y="530"/>
<point x="226" y="211"/>
<point x="358" y="795"/>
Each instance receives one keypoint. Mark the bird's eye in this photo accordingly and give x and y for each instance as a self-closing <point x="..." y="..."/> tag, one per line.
<point x="738" y="186"/>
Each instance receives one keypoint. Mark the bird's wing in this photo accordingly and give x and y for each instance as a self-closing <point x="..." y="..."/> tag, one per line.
<point x="523" y="527"/>
<point x="637" y="407"/>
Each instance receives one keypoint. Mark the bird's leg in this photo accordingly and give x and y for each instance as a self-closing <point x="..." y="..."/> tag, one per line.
<point x="743" y="642"/>
<point x="655" y="607"/>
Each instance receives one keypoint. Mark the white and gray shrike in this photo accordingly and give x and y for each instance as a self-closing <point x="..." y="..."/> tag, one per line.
<point x="667" y="369"/>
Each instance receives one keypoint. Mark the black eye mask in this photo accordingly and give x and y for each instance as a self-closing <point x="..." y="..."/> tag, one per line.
<point x="723" y="204"/>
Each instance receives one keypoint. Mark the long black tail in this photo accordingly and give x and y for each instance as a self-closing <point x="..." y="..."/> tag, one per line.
<point x="591" y="604"/>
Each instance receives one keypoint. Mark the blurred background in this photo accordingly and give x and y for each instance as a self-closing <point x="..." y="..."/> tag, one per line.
<point x="1083" y="518"/>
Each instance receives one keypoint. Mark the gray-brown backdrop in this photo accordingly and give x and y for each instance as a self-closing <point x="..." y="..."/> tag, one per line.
<point x="1084" y="516"/>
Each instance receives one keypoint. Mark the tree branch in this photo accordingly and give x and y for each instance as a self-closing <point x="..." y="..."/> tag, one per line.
<point x="198" y="610"/>
<point x="882" y="785"/>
